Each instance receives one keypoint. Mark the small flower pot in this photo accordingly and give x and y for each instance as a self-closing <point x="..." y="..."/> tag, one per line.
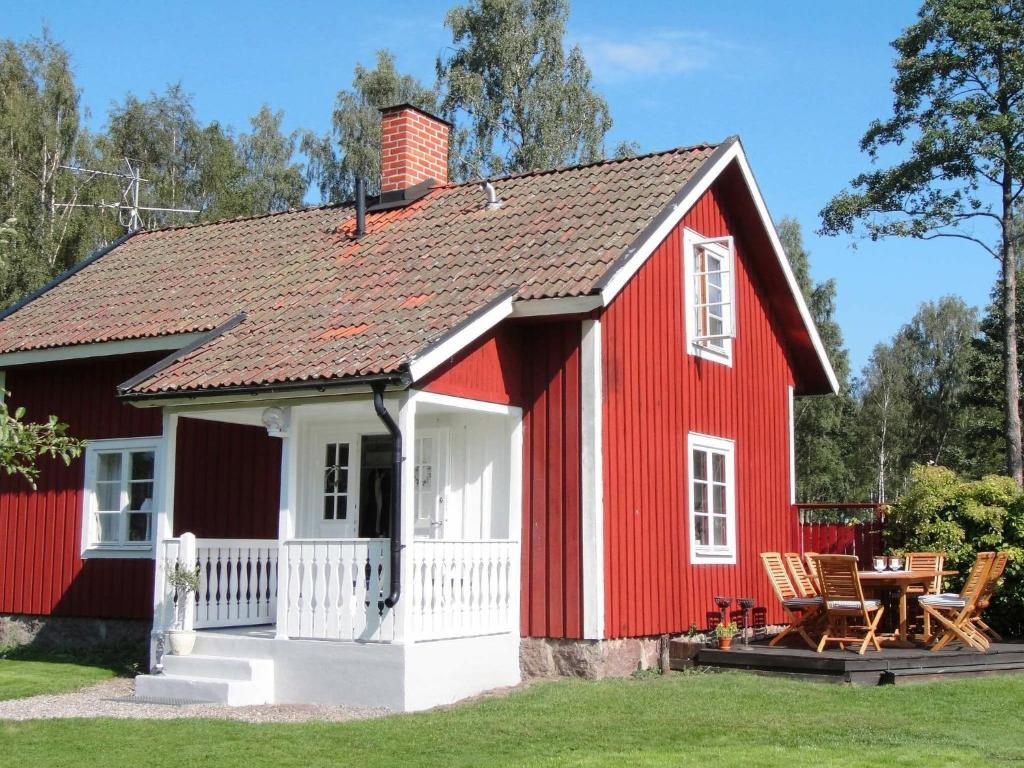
<point x="181" y="641"/>
<point x="724" y="643"/>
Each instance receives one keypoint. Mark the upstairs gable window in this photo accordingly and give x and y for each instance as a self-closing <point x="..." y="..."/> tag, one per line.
<point x="710" y="296"/>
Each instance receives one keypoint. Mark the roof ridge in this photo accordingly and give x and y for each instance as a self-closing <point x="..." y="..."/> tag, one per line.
<point x="605" y="161"/>
<point x="251" y="217"/>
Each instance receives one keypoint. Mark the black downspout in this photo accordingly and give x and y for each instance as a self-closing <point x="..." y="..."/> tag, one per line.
<point x="360" y="207"/>
<point x="396" y="494"/>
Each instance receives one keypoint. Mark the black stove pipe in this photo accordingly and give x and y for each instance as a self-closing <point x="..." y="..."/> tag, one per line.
<point x="360" y="206"/>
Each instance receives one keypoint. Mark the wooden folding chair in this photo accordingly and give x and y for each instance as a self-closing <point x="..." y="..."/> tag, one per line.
<point x="849" y="618"/>
<point x="991" y="584"/>
<point x="956" y="612"/>
<point x="926" y="561"/>
<point x="805" y="586"/>
<point x="800" y="611"/>
<point x="812" y="569"/>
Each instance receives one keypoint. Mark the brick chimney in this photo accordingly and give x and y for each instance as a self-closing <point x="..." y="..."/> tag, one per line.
<point x="413" y="148"/>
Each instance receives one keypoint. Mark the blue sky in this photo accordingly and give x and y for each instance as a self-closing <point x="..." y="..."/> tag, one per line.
<point x="798" y="81"/>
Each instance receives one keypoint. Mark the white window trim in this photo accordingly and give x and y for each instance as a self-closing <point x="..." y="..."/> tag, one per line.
<point x="724" y="357"/>
<point x="707" y="555"/>
<point x="119" y="551"/>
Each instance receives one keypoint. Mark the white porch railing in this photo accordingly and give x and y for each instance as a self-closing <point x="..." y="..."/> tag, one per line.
<point x="237" y="581"/>
<point x="464" y="588"/>
<point x="336" y="589"/>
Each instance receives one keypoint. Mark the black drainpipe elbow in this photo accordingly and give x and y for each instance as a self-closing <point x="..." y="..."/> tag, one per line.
<point x="396" y="494"/>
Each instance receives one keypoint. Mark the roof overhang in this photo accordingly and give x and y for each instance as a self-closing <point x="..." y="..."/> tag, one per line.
<point x="98" y="349"/>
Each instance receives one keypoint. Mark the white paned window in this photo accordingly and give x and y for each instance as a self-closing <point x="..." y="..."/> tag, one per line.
<point x="336" y="481"/>
<point x="121" y="487"/>
<point x="430" y="481"/>
<point x="708" y="265"/>
<point x="712" y="499"/>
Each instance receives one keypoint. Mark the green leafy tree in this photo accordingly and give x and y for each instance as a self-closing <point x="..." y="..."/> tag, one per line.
<point x="937" y="344"/>
<point x="352" y="148"/>
<point x="957" y="101"/>
<point x="525" y="101"/>
<point x="941" y="512"/>
<point x="822" y="422"/>
<point x="23" y="443"/>
<point x="882" y="423"/>
<point x="39" y="133"/>
<point x="270" y="180"/>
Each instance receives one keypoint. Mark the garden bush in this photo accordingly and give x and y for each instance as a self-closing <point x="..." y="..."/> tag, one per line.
<point x="945" y="513"/>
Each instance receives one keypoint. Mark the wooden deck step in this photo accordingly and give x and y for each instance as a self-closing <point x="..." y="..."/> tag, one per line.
<point x="933" y="674"/>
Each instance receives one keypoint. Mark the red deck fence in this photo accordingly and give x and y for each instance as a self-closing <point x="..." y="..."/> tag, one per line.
<point x="842" y="529"/>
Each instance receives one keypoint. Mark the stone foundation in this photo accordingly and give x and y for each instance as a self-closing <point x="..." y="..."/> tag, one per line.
<point x="589" y="659"/>
<point x="63" y="633"/>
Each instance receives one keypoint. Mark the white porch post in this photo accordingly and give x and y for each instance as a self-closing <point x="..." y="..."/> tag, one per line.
<point x="187" y="559"/>
<point x="163" y="528"/>
<point x="286" y="520"/>
<point x="407" y="425"/>
<point x="593" y="481"/>
<point x="515" y="511"/>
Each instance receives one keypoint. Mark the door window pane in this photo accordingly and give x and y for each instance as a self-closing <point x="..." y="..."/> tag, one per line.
<point x="336" y="468"/>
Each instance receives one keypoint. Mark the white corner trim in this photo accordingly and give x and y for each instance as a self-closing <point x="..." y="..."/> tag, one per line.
<point x="792" y="444"/>
<point x="728" y="447"/>
<point x="99" y="349"/>
<point x="619" y="278"/>
<point x="592" y="470"/>
<point x="448" y="347"/>
<point x="422" y="396"/>
<point x="570" y="305"/>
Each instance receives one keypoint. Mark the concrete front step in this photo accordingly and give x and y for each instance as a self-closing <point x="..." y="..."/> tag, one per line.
<point x="209" y="679"/>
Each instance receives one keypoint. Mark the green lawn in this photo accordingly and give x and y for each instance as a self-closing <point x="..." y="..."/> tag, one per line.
<point x="28" y="678"/>
<point x="726" y="719"/>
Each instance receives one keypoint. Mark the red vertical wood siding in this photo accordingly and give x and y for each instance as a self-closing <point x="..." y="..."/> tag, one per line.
<point x="536" y="365"/>
<point x="227" y="483"/>
<point x="552" y="578"/>
<point x="489" y="370"/>
<point x="41" y="569"/>
<point x="655" y="394"/>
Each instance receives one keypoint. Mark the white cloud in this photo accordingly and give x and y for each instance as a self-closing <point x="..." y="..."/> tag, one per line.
<point x="649" y="54"/>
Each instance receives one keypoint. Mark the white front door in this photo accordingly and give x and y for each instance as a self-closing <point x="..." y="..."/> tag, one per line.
<point x="431" y="479"/>
<point x="334" y="486"/>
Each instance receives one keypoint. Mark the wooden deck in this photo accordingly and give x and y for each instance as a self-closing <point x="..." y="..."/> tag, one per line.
<point x="889" y="666"/>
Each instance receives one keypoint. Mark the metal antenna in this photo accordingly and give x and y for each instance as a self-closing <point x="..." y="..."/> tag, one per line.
<point x="128" y="209"/>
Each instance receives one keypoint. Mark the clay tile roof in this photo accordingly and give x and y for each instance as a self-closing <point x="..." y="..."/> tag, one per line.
<point x="320" y="305"/>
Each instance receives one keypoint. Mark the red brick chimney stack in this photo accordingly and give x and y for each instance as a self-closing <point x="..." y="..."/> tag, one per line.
<point x="413" y="148"/>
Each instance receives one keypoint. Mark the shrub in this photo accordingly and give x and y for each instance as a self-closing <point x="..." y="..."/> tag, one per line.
<point x="944" y="513"/>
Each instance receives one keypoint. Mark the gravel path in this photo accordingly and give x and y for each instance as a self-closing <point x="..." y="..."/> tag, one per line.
<point x="113" y="698"/>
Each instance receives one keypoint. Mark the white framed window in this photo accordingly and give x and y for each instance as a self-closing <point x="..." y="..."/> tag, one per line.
<point x="712" y="499"/>
<point x="710" y="295"/>
<point x="119" y="499"/>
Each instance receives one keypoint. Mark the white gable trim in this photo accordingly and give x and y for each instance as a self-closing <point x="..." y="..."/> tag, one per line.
<point x="621" y="274"/>
<point x="99" y="349"/>
<point x="451" y="345"/>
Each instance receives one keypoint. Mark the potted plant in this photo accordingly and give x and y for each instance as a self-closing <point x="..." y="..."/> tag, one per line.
<point x="725" y="633"/>
<point x="185" y="582"/>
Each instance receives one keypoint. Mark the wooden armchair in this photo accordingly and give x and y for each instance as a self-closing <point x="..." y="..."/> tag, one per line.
<point x="956" y="613"/>
<point x="800" y="611"/>
<point x="849" y="617"/>
<point x="926" y="561"/>
<point x="991" y="585"/>
<point x="802" y="580"/>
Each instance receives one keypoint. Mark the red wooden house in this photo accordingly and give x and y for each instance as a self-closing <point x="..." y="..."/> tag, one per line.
<point x="397" y="443"/>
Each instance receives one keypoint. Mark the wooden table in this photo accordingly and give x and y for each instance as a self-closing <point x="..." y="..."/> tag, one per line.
<point x="902" y="581"/>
